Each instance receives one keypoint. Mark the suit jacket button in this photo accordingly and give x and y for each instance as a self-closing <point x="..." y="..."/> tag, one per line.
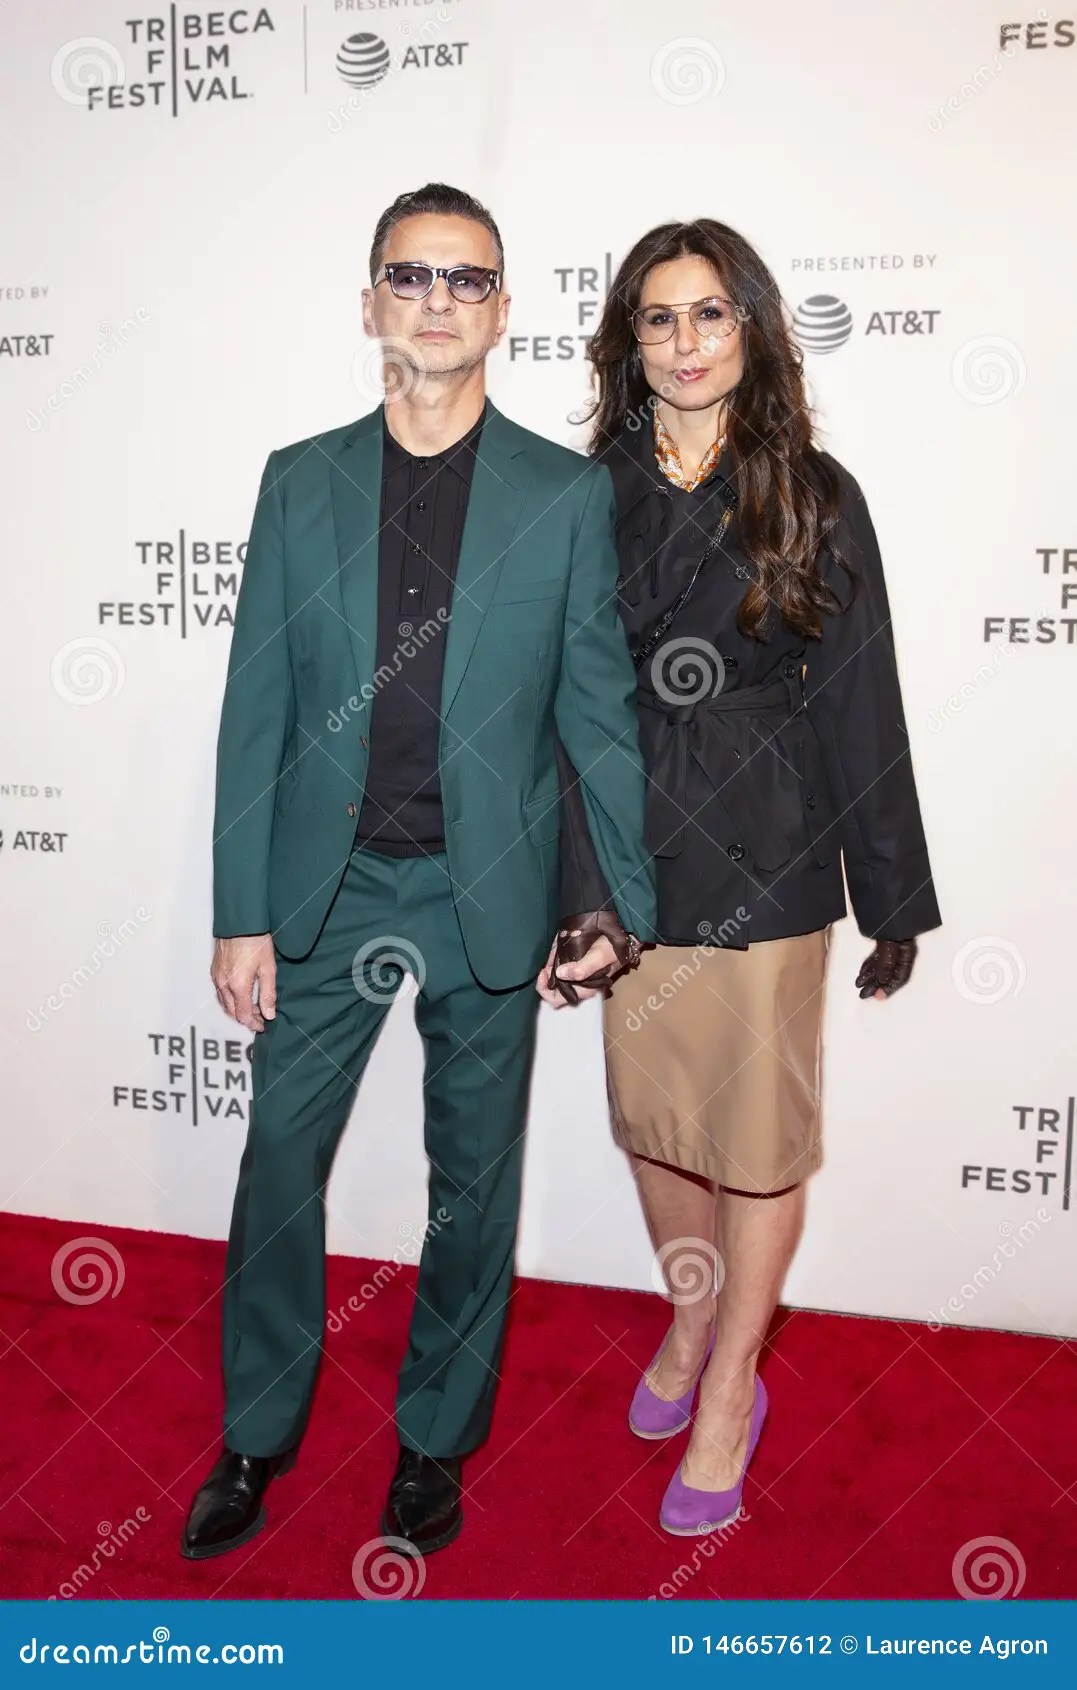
<point x="736" y="852"/>
<point x="351" y="809"/>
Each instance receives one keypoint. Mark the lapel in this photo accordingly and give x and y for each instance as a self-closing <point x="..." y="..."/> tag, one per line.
<point x="498" y="488"/>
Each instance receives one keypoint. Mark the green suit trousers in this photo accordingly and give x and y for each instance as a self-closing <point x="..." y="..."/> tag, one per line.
<point x="390" y="915"/>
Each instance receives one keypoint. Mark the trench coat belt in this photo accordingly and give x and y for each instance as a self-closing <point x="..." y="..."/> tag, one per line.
<point x="704" y="730"/>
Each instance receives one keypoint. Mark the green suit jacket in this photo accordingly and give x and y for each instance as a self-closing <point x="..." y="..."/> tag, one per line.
<point x="534" y="648"/>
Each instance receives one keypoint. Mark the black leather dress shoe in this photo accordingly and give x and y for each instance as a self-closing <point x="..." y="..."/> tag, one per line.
<point x="227" y="1508"/>
<point x="424" y="1501"/>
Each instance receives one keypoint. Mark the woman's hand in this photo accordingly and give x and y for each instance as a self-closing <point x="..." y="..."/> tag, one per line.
<point x="887" y="969"/>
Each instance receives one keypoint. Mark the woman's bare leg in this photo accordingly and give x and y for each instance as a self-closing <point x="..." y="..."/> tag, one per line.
<point x="680" y="1211"/>
<point x="757" y="1237"/>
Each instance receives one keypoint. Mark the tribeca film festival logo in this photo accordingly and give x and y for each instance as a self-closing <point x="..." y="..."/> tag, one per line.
<point x="1042" y="1165"/>
<point x="180" y="59"/>
<point x="200" y="1077"/>
<point x="1056" y="562"/>
<point x="579" y="291"/>
<point x="188" y="584"/>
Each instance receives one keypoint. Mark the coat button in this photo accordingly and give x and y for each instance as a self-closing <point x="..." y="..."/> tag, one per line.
<point x="790" y="670"/>
<point x="351" y="809"/>
<point x="730" y="662"/>
<point x="736" y="852"/>
<point x="810" y="801"/>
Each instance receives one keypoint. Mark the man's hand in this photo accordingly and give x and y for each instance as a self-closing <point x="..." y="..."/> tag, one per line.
<point x="238" y="966"/>
<point x="600" y="955"/>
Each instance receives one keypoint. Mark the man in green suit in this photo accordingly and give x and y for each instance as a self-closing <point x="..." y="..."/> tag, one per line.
<point x="427" y="613"/>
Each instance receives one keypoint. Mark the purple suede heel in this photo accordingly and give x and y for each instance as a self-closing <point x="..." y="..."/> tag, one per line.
<point x="651" y="1416"/>
<point x="687" y="1512"/>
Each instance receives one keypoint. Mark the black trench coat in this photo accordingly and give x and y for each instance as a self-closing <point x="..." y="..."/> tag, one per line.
<point x="767" y="762"/>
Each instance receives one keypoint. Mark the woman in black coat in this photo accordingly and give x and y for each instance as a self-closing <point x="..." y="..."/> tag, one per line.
<point x="752" y="595"/>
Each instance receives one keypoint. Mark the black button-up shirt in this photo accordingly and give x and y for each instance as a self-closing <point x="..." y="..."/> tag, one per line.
<point x="423" y="506"/>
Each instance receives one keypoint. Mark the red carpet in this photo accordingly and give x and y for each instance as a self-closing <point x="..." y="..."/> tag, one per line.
<point x="888" y="1448"/>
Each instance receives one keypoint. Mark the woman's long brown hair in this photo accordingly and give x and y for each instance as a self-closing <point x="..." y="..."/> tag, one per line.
<point x="789" y="497"/>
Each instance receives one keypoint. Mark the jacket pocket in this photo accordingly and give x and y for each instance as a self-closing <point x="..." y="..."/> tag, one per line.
<point x="518" y="592"/>
<point x="543" y="817"/>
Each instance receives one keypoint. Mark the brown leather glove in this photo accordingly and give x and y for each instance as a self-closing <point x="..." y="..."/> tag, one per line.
<point x="575" y="937"/>
<point x="888" y="967"/>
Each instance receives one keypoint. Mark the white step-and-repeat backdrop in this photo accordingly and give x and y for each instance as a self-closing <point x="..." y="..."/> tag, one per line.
<point x="189" y="197"/>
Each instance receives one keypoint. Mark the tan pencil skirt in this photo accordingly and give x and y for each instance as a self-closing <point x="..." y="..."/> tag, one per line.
<point x="714" y="1059"/>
